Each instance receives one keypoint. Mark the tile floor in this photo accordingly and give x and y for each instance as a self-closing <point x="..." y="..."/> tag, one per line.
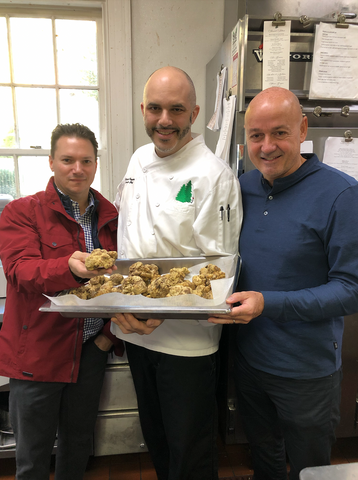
<point x="234" y="463"/>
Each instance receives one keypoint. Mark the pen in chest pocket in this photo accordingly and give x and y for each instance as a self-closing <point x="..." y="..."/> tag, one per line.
<point x="228" y="212"/>
<point x="221" y="210"/>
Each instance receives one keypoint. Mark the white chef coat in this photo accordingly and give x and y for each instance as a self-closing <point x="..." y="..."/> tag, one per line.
<point x="172" y="207"/>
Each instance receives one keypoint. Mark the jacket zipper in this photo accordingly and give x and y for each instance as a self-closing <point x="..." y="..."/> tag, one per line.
<point x="110" y="220"/>
<point x="75" y="350"/>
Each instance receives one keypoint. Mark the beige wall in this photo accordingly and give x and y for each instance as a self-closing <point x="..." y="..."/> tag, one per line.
<point x="183" y="33"/>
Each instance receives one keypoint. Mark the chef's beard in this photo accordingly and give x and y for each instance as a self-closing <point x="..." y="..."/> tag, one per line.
<point x="180" y="135"/>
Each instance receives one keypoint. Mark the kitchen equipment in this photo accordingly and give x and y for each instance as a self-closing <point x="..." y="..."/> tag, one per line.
<point x="5" y="424"/>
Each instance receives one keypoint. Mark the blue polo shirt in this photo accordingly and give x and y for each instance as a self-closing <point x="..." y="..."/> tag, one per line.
<point x="299" y="247"/>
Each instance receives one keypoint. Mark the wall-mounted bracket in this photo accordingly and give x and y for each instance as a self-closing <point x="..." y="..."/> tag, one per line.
<point x="345" y="111"/>
<point x="348" y="136"/>
<point x="317" y="112"/>
<point x="278" y="22"/>
<point x="341" y="21"/>
<point x="306" y="22"/>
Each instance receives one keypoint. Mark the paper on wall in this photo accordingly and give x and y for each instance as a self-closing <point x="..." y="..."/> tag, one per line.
<point x="221" y="86"/>
<point x="335" y="63"/>
<point x="276" y="55"/>
<point x="224" y="142"/>
<point x="343" y="155"/>
<point x="306" y="146"/>
<point x="234" y="55"/>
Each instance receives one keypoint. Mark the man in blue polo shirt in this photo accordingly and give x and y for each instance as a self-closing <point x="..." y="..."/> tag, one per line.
<point x="299" y="245"/>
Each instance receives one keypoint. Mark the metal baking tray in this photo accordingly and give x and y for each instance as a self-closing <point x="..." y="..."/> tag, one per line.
<point x="172" y="312"/>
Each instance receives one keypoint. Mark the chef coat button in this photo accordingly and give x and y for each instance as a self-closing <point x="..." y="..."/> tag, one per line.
<point x="270" y="197"/>
<point x="153" y="233"/>
<point x="265" y="212"/>
<point x="144" y="170"/>
<point x="157" y="204"/>
<point x="25" y="327"/>
<point x="171" y="177"/>
<point x="137" y="196"/>
<point x="129" y="224"/>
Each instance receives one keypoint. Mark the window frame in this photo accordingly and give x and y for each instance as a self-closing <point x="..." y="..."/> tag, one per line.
<point x="114" y="69"/>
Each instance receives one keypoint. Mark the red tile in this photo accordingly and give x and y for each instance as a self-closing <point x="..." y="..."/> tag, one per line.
<point x="337" y="455"/>
<point x="100" y="472"/>
<point x="148" y="474"/>
<point x="7" y="468"/>
<point x="239" y="458"/>
<point x="125" y="471"/>
<point x="145" y="459"/>
<point x="133" y="458"/>
<point x="147" y="469"/>
<point x="225" y="470"/>
<point x="348" y="448"/>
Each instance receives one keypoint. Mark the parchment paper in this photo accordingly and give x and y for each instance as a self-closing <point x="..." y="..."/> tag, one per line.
<point x="221" y="289"/>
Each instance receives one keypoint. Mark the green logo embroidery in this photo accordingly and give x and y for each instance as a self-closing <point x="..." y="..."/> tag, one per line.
<point x="185" y="193"/>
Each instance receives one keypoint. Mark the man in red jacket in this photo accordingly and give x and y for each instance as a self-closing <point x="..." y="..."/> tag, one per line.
<point x="56" y="365"/>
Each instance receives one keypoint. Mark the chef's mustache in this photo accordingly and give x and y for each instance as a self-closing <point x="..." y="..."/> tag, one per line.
<point x="166" y="128"/>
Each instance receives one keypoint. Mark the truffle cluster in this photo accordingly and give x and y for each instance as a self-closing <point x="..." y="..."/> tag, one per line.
<point x="100" y="258"/>
<point x="144" y="279"/>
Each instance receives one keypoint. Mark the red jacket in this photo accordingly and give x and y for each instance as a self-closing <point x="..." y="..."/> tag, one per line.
<point x="37" y="237"/>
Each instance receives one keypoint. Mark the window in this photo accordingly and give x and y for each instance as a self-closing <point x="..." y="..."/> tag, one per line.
<point x="49" y="74"/>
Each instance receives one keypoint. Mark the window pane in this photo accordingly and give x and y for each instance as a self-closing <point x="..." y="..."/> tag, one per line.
<point x="4" y="53"/>
<point x="80" y="106"/>
<point x="34" y="173"/>
<point x="7" y="176"/>
<point x="7" y="138"/>
<point x="36" y="109"/>
<point x="32" y="48"/>
<point x="77" y="52"/>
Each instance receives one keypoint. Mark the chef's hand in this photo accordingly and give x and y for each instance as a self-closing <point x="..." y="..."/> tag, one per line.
<point x="103" y="342"/>
<point x="251" y="306"/>
<point x="129" y="324"/>
<point x="76" y="263"/>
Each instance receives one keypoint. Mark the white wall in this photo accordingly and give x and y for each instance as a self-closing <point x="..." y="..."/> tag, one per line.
<point x="182" y="33"/>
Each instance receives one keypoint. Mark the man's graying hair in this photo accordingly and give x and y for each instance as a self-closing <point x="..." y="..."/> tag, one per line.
<point x="73" y="130"/>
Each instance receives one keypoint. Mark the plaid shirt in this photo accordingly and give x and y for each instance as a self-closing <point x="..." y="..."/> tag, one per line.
<point x="92" y="325"/>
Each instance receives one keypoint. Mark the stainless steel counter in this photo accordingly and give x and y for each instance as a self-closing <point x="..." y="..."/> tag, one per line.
<point x="347" y="471"/>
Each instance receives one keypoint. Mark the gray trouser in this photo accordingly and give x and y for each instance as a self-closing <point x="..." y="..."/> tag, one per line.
<point x="40" y="409"/>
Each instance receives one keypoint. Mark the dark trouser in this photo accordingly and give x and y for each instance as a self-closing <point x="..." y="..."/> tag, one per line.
<point x="40" y="409"/>
<point x="283" y="415"/>
<point x="177" y="409"/>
